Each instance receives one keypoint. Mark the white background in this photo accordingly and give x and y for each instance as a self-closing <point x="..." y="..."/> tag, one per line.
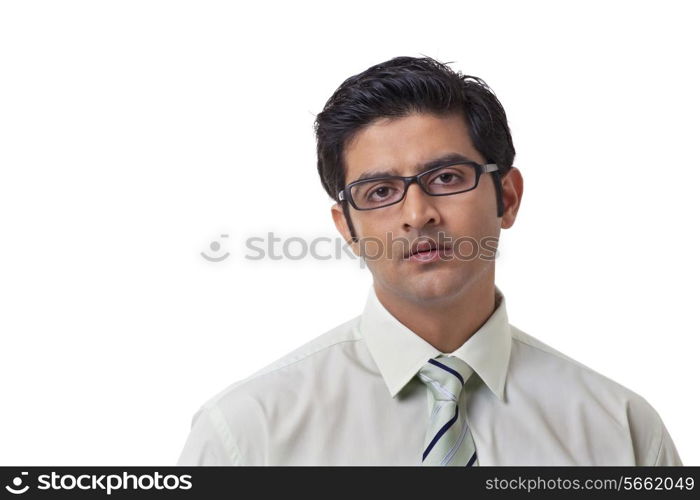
<point x="135" y="133"/>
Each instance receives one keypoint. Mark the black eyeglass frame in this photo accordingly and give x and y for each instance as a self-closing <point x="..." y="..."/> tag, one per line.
<point x="344" y="194"/>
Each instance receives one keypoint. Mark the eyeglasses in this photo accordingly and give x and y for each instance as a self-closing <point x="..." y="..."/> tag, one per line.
<point x="379" y="192"/>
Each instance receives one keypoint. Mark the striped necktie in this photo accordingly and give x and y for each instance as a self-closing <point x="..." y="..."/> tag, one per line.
<point x="448" y="440"/>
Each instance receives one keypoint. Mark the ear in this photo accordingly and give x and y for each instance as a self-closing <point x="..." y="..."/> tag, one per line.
<point x="512" y="184"/>
<point x="341" y="225"/>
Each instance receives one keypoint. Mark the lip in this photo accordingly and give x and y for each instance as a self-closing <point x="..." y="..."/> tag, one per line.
<point x="432" y="253"/>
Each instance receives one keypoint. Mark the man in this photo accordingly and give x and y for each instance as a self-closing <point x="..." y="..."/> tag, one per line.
<point x="419" y="160"/>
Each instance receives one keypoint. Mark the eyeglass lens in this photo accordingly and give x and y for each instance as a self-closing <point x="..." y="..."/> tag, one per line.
<point x="446" y="180"/>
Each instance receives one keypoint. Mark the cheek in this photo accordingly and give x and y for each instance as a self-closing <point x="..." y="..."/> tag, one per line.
<point x="372" y="227"/>
<point x="373" y="233"/>
<point x="479" y="209"/>
<point x="472" y="224"/>
<point x="474" y="214"/>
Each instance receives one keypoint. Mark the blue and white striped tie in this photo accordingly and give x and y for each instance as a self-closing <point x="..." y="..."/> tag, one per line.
<point x="448" y="440"/>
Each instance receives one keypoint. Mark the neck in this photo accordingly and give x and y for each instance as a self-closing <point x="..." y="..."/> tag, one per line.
<point x="447" y="324"/>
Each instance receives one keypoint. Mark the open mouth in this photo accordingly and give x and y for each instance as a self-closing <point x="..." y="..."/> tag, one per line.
<point x="427" y="250"/>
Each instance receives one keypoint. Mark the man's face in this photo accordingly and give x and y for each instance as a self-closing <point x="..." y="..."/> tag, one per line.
<point x="404" y="144"/>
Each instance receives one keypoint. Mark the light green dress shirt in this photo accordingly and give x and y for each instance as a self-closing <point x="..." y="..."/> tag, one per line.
<point x="350" y="397"/>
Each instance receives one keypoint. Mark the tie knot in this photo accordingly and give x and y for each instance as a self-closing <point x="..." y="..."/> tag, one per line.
<point x="445" y="376"/>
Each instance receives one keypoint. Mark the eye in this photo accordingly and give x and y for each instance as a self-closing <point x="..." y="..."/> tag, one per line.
<point x="379" y="193"/>
<point x="446" y="178"/>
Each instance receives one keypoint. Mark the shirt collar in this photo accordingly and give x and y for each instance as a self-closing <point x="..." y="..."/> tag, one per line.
<point x="487" y="351"/>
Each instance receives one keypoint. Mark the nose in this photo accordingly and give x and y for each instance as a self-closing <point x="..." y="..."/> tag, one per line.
<point x="418" y="208"/>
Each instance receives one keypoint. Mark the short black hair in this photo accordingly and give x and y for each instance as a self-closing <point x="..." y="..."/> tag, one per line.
<point x="399" y="87"/>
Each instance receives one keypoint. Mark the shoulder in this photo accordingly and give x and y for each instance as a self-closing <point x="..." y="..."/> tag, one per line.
<point x="599" y="399"/>
<point x="295" y="361"/>
<point x="543" y="360"/>
<point x="241" y="413"/>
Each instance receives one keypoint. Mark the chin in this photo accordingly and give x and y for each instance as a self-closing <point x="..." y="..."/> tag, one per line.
<point x="433" y="288"/>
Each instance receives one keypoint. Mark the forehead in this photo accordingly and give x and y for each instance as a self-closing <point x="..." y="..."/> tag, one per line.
<point x="399" y="146"/>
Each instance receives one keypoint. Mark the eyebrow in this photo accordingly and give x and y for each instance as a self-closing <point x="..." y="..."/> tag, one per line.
<point x="441" y="160"/>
